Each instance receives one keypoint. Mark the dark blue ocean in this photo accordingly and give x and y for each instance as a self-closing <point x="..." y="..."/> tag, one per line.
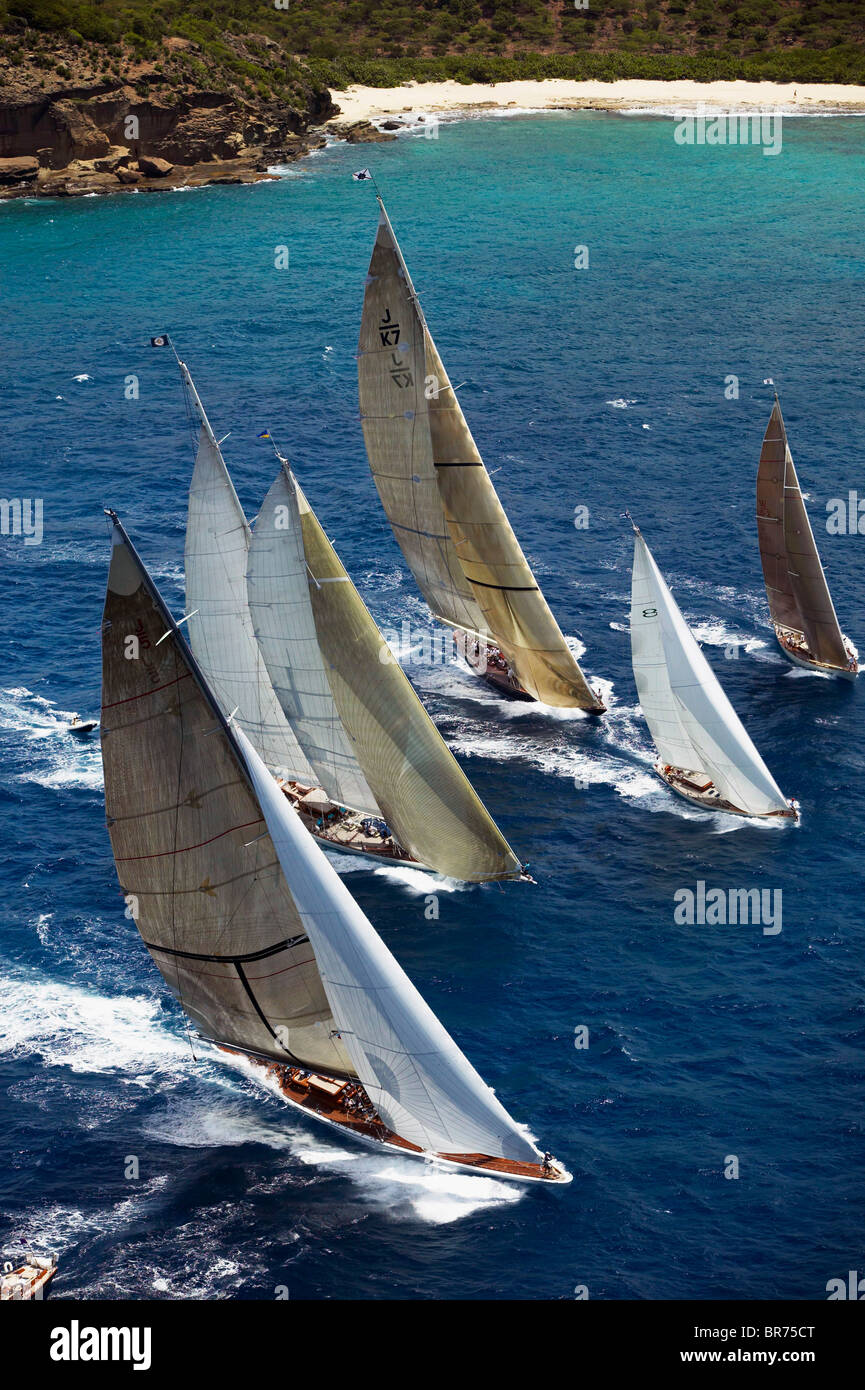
<point x="601" y="387"/>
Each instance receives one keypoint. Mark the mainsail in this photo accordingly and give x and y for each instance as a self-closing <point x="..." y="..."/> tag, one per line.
<point x="199" y="870"/>
<point x="796" y="587"/>
<point x="692" y="722"/>
<point x="220" y="627"/>
<point x="278" y="581"/>
<point x="250" y="926"/>
<point x="437" y="493"/>
<point x="335" y="677"/>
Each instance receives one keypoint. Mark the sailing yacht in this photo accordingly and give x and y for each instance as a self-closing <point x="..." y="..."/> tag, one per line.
<point x="704" y="752"/>
<point x="251" y="927"/>
<point x="800" y="604"/>
<point x="286" y="642"/>
<point x="441" y="503"/>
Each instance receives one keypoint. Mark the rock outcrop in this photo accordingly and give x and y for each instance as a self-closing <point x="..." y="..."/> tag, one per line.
<point x="20" y="170"/>
<point x="153" y="166"/>
<point x="110" y="135"/>
<point x="359" y="132"/>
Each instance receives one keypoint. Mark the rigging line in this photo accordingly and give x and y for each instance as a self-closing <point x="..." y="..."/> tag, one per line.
<point x="174" y="860"/>
<point x="191" y="416"/>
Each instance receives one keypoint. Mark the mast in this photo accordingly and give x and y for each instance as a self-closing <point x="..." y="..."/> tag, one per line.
<point x="692" y="722"/>
<point x="437" y="493"/>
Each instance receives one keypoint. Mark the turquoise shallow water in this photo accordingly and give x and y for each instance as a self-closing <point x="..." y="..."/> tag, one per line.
<point x="601" y="387"/>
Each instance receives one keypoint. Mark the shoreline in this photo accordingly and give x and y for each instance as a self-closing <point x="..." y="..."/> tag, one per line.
<point x="627" y="94"/>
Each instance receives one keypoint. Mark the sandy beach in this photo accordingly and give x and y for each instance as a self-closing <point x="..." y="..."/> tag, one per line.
<point x="379" y="103"/>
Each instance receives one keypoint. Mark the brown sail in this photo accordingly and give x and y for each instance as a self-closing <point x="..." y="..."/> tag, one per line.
<point x="194" y="857"/>
<point x="798" y="595"/>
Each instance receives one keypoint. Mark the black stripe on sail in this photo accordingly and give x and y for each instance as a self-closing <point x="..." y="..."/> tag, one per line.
<point x="231" y="960"/>
<point x="475" y="463"/>
<point x="266" y="1057"/>
<point x="506" y="588"/>
<point x="258" y="1009"/>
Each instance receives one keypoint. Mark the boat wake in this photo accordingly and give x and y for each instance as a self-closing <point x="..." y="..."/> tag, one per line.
<point x="404" y="1189"/>
<point x="68" y="1027"/>
<point x="417" y="882"/>
<point x="52" y="757"/>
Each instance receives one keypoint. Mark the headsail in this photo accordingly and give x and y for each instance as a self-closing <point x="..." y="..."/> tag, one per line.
<point x="195" y="861"/>
<point x="692" y="722"/>
<point x="417" y="1077"/>
<point x="220" y="627"/>
<point x="249" y="924"/>
<point x="796" y="586"/>
<point x="277" y="580"/>
<point x="306" y="609"/>
<point x="438" y="495"/>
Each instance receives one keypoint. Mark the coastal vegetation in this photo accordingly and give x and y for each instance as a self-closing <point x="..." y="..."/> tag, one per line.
<point x="267" y="48"/>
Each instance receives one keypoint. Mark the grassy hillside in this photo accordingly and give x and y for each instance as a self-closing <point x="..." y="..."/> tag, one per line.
<point x="379" y="42"/>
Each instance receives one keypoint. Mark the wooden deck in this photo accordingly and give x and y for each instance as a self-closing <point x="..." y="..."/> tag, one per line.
<point x="794" y="645"/>
<point x="344" y="830"/>
<point x="347" y="1104"/>
<point x="700" y="790"/>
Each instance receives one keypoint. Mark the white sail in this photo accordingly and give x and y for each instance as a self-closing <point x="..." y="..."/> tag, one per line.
<point x="220" y="626"/>
<point x="417" y="1078"/>
<point x="284" y="625"/>
<point x="692" y="722"/>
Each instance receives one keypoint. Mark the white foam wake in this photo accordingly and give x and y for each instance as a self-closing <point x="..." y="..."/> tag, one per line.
<point x="131" y="1039"/>
<point x="52" y="756"/>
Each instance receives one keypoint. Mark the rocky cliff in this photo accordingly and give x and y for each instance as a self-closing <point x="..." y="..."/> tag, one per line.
<point x="177" y="120"/>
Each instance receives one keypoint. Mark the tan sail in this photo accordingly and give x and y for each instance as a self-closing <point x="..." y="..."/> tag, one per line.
<point x="437" y="493"/>
<point x="395" y="414"/>
<point x="424" y="795"/>
<point x="196" y="863"/>
<point x="796" y="587"/>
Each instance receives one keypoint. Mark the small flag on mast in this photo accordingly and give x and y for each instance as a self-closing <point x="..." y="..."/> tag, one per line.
<point x="161" y="341"/>
<point x="265" y="434"/>
<point x="362" y="174"/>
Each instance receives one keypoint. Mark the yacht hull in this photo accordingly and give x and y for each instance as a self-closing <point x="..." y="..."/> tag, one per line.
<point x="496" y="675"/>
<point x="804" y="659"/>
<point x="316" y="1103"/>
<point x="708" y="798"/>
